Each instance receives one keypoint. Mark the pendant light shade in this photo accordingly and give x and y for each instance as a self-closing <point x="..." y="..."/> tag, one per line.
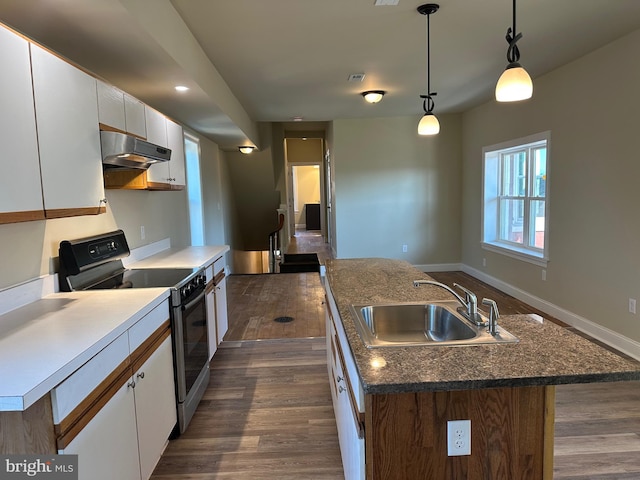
<point x="429" y="124"/>
<point x="515" y="83"/>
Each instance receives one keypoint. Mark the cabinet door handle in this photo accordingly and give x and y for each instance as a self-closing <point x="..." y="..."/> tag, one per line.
<point x="140" y="375"/>
<point x="131" y="384"/>
<point x="339" y="378"/>
<point x="341" y="389"/>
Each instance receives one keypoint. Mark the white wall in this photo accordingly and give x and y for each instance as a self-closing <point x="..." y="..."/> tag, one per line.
<point x="591" y="108"/>
<point x="394" y="188"/>
<point x="213" y="193"/>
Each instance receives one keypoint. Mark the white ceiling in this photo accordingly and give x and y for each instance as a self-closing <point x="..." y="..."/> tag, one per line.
<point x="250" y="61"/>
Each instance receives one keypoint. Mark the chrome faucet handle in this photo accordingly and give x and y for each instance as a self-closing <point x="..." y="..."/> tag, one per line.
<point x="472" y="300"/>
<point x="493" y="315"/>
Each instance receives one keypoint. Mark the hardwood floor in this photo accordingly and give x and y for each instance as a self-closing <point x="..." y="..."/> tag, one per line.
<point x="266" y="415"/>
<point x="267" y="412"/>
<point x="255" y="301"/>
<point x="597" y="431"/>
<point x="310" y="241"/>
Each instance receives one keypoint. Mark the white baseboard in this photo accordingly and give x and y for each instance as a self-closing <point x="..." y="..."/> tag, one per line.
<point x="440" y="267"/>
<point x="603" y="334"/>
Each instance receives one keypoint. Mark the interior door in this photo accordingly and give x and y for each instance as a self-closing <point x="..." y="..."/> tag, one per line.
<point x="329" y="198"/>
<point x="291" y="227"/>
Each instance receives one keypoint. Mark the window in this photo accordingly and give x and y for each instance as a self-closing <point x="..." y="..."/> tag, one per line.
<point x="194" y="189"/>
<point x="515" y="194"/>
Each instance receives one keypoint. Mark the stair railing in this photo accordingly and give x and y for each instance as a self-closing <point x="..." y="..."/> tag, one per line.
<point x="274" y="245"/>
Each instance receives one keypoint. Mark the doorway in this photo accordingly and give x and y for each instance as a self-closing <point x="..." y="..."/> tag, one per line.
<point x="306" y="197"/>
<point x="306" y="201"/>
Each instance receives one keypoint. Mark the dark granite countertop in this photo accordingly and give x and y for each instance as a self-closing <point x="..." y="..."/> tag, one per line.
<point x="547" y="354"/>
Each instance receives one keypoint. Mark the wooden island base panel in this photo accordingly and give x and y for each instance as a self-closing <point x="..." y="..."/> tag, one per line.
<point x="511" y="434"/>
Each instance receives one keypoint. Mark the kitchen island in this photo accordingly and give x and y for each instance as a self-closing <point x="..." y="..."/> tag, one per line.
<point x="393" y="404"/>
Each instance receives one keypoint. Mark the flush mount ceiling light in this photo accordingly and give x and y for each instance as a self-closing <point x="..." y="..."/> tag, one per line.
<point x="515" y="83"/>
<point x="429" y="124"/>
<point x="181" y="88"/>
<point x="246" y="149"/>
<point x="373" y="96"/>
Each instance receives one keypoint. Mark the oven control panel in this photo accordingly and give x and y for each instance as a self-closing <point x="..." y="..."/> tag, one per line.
<point x="192" y="288"/>
<point x="104" y="249"/>
<point x="85" y="253"/>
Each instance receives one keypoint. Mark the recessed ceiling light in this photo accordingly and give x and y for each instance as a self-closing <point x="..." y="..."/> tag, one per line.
<point x="297" y="119"/>
<point x="181" y="88"/>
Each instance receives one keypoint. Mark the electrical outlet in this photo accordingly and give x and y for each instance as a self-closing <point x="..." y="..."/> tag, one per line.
<point x="544" y="274"/>
<point x="458" y="438"/>
<point x="404" y="248"/>
<point x="632" y="305"/>
<point x="142" y="232"/>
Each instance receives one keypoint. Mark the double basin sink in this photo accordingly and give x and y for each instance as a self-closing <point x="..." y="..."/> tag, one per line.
<point x="421" y="324"/>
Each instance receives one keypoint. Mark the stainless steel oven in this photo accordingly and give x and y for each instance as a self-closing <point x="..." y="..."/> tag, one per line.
<point x="95" y="263"/>
<point x="191" y="347"/>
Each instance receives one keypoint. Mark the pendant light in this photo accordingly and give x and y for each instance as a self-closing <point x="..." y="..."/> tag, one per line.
<point x="515" y="83"/>
<point x="428" y="124"/>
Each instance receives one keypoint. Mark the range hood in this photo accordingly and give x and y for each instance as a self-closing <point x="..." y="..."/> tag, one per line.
<point x="122" y="150"/>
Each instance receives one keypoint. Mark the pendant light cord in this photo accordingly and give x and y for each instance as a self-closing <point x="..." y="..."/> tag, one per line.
<point x="428" y="104"/>
<point x="513" y="53"/>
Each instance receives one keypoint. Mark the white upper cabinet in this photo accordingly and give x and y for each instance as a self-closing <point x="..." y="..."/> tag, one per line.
<point x="134" y="117"/>
<point x="20" y="190"/>
<point x="162" y="131"/>
<point x="156" y="127"/>
<point x="66" y="104"/>
<point x="111" y="107"/>
<point x="120" y="111"/>
<point x="157" y="133"/>
<point x="175" y="137"/>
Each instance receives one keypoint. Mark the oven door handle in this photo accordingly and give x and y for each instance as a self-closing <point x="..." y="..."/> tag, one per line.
<point x="193" y="302"/>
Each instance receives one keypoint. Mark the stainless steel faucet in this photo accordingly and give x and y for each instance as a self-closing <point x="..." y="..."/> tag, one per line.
<point x="470" y="302"/>
<point x="493" y="315"/>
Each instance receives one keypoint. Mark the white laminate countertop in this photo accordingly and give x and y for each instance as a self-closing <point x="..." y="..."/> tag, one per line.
<point x="189" y="257"/>
<point x="43" y="342"/>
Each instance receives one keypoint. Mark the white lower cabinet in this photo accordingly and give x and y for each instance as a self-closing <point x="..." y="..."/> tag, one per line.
<point x="222" y="320"/>
<point x="155" y="406"/>
<point x="345" y="389"/>
<point x="212" y="329"/>
<point x="216" y="304"/>
<point x="107" y="447"/>
<point x="118" y="410"/>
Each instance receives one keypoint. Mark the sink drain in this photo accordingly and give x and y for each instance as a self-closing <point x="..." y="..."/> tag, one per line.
<point x="283" y="319"/>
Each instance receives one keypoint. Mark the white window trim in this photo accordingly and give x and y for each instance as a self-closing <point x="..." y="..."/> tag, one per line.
<point x="519" y="253"/>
